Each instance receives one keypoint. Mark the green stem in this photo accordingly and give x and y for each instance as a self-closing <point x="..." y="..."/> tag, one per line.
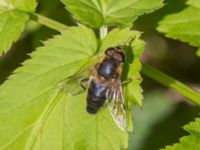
<point x="48" y="22"/>
<point x="103" y="31"/>
<point x="170" y="82"/>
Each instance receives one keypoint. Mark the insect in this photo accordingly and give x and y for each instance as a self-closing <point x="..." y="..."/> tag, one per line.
<point x="104" y="86"/>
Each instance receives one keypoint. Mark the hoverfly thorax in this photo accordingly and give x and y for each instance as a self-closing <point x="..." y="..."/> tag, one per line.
<point x="114" y="58"/>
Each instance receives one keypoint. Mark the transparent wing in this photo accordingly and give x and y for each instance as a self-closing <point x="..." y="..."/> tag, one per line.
<point x="74" y="84"/>
<point x="117" y="106"/>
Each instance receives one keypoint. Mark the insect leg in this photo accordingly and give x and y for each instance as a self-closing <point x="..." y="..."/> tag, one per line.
<point x="129" y="80"/>
<point x="83" y="84"/>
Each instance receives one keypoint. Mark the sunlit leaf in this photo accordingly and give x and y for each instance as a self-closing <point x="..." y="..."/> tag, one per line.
<point x="12" y="20"/>
<point x="134" y="88"/>
<point x="11" y="25"/>
<point x="40" y="115"/>
<point x="194" y="3"/>
<point x="183" y="25"/>
<point x="198" y="52"/>
<point x="25" y="5"/>
<point x="110" y="12"/>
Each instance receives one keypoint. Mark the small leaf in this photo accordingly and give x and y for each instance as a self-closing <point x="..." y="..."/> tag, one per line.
<point x="12" y="20"/>
<point x="183" y="25"/>
<point x="194" y="3"/>
<point x="24" y="5"/>
<point x="134" y="88"/>
<point x="198" y="52"/>
<point x="191" y="141"/>
<point x="97" y="13"/>
<point x="35" y="115"/>
<point x="11" y="25"/>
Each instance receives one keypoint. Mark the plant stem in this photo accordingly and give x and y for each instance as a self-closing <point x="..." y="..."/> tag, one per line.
<point x="48" y="22"/>
<point x="170" y="82"/>
<point x="103" y="31"/>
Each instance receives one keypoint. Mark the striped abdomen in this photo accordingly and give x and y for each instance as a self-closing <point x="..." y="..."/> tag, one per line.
<point x="96" y="96"/>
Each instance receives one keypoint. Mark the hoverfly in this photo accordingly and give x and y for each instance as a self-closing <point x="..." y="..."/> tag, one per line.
<point x="104" y="86"/>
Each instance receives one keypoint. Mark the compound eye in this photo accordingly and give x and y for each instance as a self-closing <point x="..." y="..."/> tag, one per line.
<point x="123" y="57"/>
<point x="120" y="57"/>
<point x="110" y="51"/>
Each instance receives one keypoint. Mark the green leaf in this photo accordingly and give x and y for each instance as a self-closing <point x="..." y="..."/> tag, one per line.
<point x="183" y="25"/>
<point x="194" y="3"/>
<point x="97" y="13"/>
<point x="11" y="25"/>
<point x="34" y="114"/>
<point x="134" y="88"/>
<point x="12" y="20"/>
<point x="198" y="53"/>
<point x="191" y="141"/>
<point x="24" y="5"/>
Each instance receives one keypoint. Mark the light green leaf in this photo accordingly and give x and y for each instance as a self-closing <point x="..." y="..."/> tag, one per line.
<point x="91" y="131"/>
<point x="198" y="52"/>
<point x="12" y="20"/>
<point x="34" y="114"/>
<point x="97" y="13"/>
<point x="134" y="88"/>
<point x="191" y="141"/>
<point x="11" y="25"/>
<point x="183" y="25"/>
<point x="24" y="5"/>
<point x="29" y="91"/>
<point x="195" y="3"/>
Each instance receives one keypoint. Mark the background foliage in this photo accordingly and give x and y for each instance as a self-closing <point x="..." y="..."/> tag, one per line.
<point x="36" y="115"/>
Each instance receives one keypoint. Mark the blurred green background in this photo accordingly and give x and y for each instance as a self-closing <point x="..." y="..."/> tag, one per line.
<point x="159" y="122"/>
